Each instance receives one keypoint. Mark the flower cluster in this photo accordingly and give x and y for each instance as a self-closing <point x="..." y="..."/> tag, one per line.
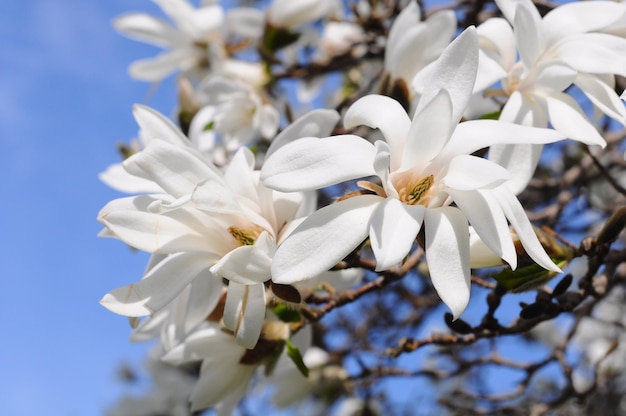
<point x="229" y="208"/>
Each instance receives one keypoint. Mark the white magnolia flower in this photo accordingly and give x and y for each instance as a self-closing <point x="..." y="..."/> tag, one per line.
<point x="289" y="14"/>
<point x="207" y="224"/>
<point x="339" y="38"/>
<point x="413" y="44"/>
<point x="197" y="38"/>
<point x="563" y="48"/>
<point x="424" y="165"/>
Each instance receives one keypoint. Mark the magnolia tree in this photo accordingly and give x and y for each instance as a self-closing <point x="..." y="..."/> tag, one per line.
<point x="341" y="179"/>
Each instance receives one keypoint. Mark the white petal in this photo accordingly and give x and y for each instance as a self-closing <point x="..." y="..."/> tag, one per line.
<point x="205" y="292"/>
<point x="474" y="135"/>
<point x="554" y="76"/>
<point x="481" y="255"/>
<point x="384" y="113"/>
<point x="245" y="21"/>
<point x="528" y="33"/>
<point x="467" y="173"/>
<point x="177" y="170"/>
<point x="244" y="312"/>
<point x="316" y="163"/>
<point x="116" y="177"/>
<point x="324" y="239"/>
<point x="247" y="265"/>
<point x="429" y="132"/>
<point x="158" y="288"/>
<point x="149" y="29"/>
<point x="222" y="381"/>
<point x="155" y="125"/>
<point x="522" y="226"/>
<point x="595" y="53"/>
<point x="393" y="229"/>
<point x="567" y="117"/>
<point x="447" y="254"/>
<point x="155" y="69"/>
<point x="454" y="71"/>
<point x="509" y="7"/>
<point x="204" y="343"/>
<point x="382" y="163"/>
<point x="497" y="40"/>
<point x="316" y="123"/>
<point x="602" y="96"/>
<point x="520" y="160"/>
<point x="488" y="221"/>
<point x="213" y="196"/>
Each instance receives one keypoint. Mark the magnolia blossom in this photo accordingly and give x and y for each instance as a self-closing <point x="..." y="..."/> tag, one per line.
<point x="289" y="14"/>
<point x="424" y="165"/>
<point x="563" y="48"/>
<point x="414" y="44"/>
<point x="195" y="40"/>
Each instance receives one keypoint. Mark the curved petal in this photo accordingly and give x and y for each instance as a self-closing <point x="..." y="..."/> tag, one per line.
<point x="247" y="265"/>
<point x="441" y="28"/>
<point x="155" y="69"/>
<point x="393" y="228"/>
<point x="149" y="29"/>
<point x="222" y="382"/>
<point x="116" y="177"/>
<point x="509" y="7"/>
<point x="203" y="343"/>
<point x="205" y="292"/>
<point x="383" y="113"/>
<point x="447" y="254"/>
<point x="382" y="162"/>
<point x="316" y="123"/>
<point x="567" y="117"/>
<point x="312" y="163"/>
<point x="454" y="71"/>
<point x="514" y="211"/>
<point x="602" y="96"/>
<point x="429" y="132"/>
<point x="245" y="21"/>
<point x="528" y="33"/>
<point x="520" y="160"/>
<point x="244" y="312"/>
<point x="597" y="53"/>
<point x="488" y="221"/>
<point x="467" y="173"/>
<point x="158" y="288"/>
<point x="497" y="40"/>
<point x="155" y="125"/>
<point x="324" y="239"/>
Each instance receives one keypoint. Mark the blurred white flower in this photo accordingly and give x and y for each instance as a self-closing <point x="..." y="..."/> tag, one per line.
<point x="289" y="14"/>
<point x="424" y="166"/>
<point x="339" y="38"/>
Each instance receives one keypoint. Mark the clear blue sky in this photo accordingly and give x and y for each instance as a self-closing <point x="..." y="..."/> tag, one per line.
<point x="65" y="101"/>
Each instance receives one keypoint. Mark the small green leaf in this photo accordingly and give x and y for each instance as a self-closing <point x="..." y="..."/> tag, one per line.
<point x="495" y="115"/>
<point x="294" y="353"/>
<point x="286" y="314"/>
<point x="276" y="38"/>
<point x="209" y="126"/>
<point x="527" y="277"/>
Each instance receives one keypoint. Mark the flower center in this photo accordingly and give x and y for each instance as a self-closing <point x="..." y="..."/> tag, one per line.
<point x="415" y="191"/>
<point x="245" y="236"/>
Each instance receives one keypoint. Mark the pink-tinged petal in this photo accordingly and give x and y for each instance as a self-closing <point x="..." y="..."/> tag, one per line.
<point x="497" y="40"/>
<point x="429" y="132"/>
<point x="447" y="254"/>
<point x="155" y="69"/>
<point x="383" y="113"/>
<point x="149" y="29"/>
<point x="247" y="265"/>
<point x="528" y="33"/>
<point x="467" y="173"/>
<point x="174" y="168"/>
<point x="567" y="117"/>
<point x="597" y="53"/>
<point x="474" y="135"/>
<point x="324" y="239"/>
<point x="316" y="163"/>
<point x="158" y="288"/>
<point x="155" y="125"/>
<point x="454" y="71"/>
<point x="393" y="228"/>
<point x="244" y="312"/>
<point x="116" y="177"/>
<point x="316" y="123"/>
<point x="579" y="17"/>
<point x="514" y="212"/>
<point x="602" y="96"/>
<point x="488" y="221"/>
<point x="520" y="160"/>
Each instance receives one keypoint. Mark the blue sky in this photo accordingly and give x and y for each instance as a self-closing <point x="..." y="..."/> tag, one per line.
<point x="65" y="101"/>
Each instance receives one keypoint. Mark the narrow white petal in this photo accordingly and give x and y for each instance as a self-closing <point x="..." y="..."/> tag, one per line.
<point x="245" y="21"/>
<point x="595" y="53"/>
<point x="602" y="96"/>
<point x="244" y="312"/>
<point x="454" y="71"/>
<point x="148" y="29"/>
<point x="520" y="160"/>
<point x="508" y="7"/>
<point x="579" y="17"/>
<point x="246" y="265"/>
<point x="203" y="343"/>
<point x="488" y="221"/>
<point x="554" y="76"/>
<point x="213" y="196"/>
<point x="429" y="132"/>
<point x="155" y="125"/>
<point x="528" y="33"/>
<point x="393" y="229"/>
<point x="567" y="117"/>
<point x="205" y="292"/>
<point x="467" y="173"/>
<point x="316" y="123"/>
<point x="324" y="239"/>
<point x="497" y="40"/>
<point x="316" y="163"/>
<point x="382" y="163"/>
<point x="447" y="254"/>
<point x="155" y="69"/>
<point x="116" y="177"/>
<point x="158" y="288"/>
<point x="522" y="226"/>
<point x="222" y="381"/>
<point x="481" y="255"/>
<point x="383" y="113"/>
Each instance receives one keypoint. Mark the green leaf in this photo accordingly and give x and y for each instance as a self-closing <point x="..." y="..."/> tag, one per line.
<point x="528" y="277"/>
<point x="276" y="38"/>
<point x="495" y="115"/>
<point x="294" y="353"/>
<point x="209" y="126"/>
